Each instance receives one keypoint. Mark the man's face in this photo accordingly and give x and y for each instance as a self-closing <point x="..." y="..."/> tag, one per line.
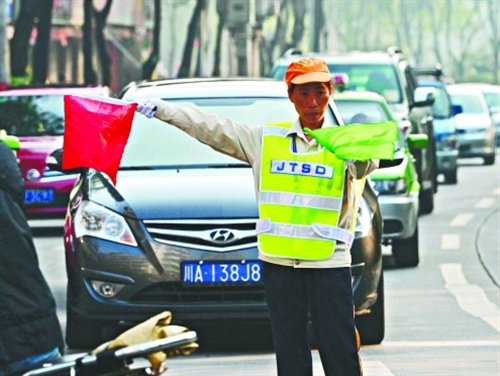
<point x="311" y="102"/>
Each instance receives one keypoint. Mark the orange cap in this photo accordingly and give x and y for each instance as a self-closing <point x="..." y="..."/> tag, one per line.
<point x="307" y="70"/>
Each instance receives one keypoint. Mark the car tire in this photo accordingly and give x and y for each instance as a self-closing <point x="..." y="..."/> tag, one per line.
<point x="371" y="327"/>
<point x="426" y="201"/>
<point x="450" y="177"/>
<point x="82" y="333"/>
<point x="405" y="251"/>
<point x="489" y="160"/>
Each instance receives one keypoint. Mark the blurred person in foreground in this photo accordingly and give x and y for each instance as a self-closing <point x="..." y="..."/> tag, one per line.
<point x="306" y="267"/>
<point x="30" y="333"/>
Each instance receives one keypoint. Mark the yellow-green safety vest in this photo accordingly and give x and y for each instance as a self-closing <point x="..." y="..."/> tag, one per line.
<point x="300" y="199"/>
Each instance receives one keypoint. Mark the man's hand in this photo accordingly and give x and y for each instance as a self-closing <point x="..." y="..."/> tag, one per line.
<point x="148" y="107"/>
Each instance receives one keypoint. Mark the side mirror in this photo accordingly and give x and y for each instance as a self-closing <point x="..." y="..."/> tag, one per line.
<point x="456" y="109"/>
<point x="418" y="140"/>
<point x="427" y="102"/>
<point x="398" y="159"/>
<point x="494" y="110"/>
<point x="54" y="163"/>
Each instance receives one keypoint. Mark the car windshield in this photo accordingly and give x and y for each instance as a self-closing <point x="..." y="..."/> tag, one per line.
<point x="361" y="112"/>
<point x="32" y="115"/>
<point x="471" y="104"/>
<point x="154" y="144"/>
<point x="379" y="78"/>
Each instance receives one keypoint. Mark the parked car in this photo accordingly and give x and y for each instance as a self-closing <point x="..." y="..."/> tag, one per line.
<point x="389" y="74"/>
<point x="177" y="231"/>
<point x="36" y="116"/>
<point x="476" y="131"/>
<point x="397" y="186"/>
<point x="445" y="131"/>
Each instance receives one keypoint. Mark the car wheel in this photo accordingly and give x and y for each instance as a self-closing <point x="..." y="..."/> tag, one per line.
<point x="489" y="160"/>
<point x="450" y="177"/>
<point x="82" y="333"/>
<point x="405" y="251"/>
<point x="371" y="327"/>
<point x="426" y="201"/>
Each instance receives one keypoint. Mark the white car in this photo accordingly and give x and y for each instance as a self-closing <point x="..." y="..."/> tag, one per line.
<point x="475" y="128"/>
<point x="492" y="95"/>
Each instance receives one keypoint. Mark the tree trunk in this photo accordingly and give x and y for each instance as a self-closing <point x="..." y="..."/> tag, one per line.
<point x="299" y="11"/>
<point x="3" y="45"/>
<point x="19" y="44"/>
<point x="319" y="17"/>
<point x="150" y="64"/>
<point x="88" y="65"/>
<point x="42" y="45"/>
<point x="187" y="56"/>
<point x="222" y="13"/>
<point x="102" y="50"/>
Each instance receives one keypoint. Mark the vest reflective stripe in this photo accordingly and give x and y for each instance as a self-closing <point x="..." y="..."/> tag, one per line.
<point x="294" y="199"/>
<point x="277" y="131"/>
<point x="300" y="199"/>
<point x="314" y="231"/>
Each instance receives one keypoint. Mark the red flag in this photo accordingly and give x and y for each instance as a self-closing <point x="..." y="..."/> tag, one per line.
<point x="96" y="131"/>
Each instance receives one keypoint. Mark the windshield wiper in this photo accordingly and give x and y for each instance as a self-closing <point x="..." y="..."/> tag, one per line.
<point x="229" y="165"/>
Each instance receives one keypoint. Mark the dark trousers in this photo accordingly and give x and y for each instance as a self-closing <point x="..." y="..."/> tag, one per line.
<point x="324" y="295"/>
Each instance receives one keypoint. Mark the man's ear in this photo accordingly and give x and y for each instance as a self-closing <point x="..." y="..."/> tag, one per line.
<point x="290" y="90"/>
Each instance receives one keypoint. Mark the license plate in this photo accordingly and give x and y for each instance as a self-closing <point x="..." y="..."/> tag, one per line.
<point x="221" y="272"/>
<point x="38" y="196"/>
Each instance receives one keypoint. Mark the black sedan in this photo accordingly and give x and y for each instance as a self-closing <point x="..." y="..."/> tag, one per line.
<point x="177" y="232"/>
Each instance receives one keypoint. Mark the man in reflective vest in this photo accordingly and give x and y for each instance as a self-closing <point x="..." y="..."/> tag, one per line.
<point x="306" y="202"/>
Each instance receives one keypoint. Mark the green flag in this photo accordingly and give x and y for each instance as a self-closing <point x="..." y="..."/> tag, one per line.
<point x="359" y="142"/>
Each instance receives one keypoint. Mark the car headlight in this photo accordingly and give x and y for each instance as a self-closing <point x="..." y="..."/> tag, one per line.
<point x="390" y="187"/>
<point x="95" y="220"/>
<point x="447" y="142"/>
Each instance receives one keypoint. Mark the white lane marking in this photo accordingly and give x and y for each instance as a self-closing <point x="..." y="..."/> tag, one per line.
<point x="485" y="203"/>
<point x="450" y="241"/>
<point x="375" y="368"/>
<point x="470" y="298"/>
<point x="461" y="219"/>
<point x="427" y="344"/>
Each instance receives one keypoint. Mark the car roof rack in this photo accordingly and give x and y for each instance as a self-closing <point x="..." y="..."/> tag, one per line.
<point x="435" y="71"/>
<point x="294" y="51"/>
<point x="394" y="50"/>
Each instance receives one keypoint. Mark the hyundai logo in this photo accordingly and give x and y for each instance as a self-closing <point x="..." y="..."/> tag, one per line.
<point x="222" y="236"/>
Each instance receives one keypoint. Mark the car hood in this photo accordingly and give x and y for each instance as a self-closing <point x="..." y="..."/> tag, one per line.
<point x="181" y="194"/>
<point x="472" y="121"/>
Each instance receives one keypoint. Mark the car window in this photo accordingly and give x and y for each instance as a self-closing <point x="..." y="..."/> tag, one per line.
<point x="471" y="104"/>
<point x="379" y="78"/>
<point x="38" y="115"/>
<point x="493" y="99"/>
<point x="361" y="112"/>
<point x="153" y="143"/>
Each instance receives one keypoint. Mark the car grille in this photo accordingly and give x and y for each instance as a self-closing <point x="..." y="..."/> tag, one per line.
<point x="175" y="292"/>
<point x="211" y="235"/>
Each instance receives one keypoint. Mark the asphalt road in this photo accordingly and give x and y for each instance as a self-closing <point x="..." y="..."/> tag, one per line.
<point x="442" y="317"/>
